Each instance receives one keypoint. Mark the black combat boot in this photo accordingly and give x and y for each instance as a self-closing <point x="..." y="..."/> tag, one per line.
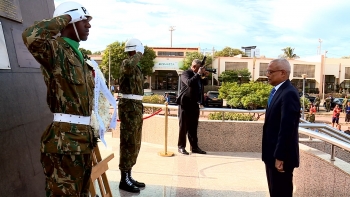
<point x="136" y="183"/>
<point x="126" y="184"/>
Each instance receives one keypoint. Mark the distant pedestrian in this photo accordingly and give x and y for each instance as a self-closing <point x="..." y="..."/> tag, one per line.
<point x="312" y="111"/>
<point x="339" y="127"/>
<point x="336" y="114"/>
<point x="347" y="111"/>
<point x="167" y="99"/>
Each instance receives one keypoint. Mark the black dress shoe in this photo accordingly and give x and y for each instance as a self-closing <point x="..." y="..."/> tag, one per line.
<point x="183" y="151"/>
<point x="198" y="150"/>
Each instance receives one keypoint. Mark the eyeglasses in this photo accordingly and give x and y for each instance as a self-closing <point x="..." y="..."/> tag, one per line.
<point x="272" y="71"/>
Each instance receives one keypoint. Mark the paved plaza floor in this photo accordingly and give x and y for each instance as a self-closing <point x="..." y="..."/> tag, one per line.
<point x="214" y="174"/>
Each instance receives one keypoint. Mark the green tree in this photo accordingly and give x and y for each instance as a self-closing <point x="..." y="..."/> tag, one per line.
<point x="190" y="56"/>
<point x="116" y="49"/>
<point x="147" y="61"/>
<point x="250" y="95"/>
<point x="228" y="52"/>
<point x="85" y="51"/>
<point x="118" y="55"/>
<point x="288" y="53"/>
<point x="241" y="76"/>
<point x="97" y="53"/>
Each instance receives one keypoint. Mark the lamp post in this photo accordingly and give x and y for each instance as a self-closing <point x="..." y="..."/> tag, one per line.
<point x="304" y="77"/>
<point x="179" y="72"/>
<point x="171" y="29"/>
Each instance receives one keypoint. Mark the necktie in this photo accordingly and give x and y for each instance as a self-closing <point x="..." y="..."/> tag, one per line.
<point x="271" y="96"/>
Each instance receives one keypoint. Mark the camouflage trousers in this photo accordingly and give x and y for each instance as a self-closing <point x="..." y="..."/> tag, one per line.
<point x="130" y="115"/>
<point x="328" y="107"/>
<point x="310" y="118"/>
<point x="67" y="175"/>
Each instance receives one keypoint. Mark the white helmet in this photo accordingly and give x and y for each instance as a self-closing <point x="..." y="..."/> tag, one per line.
<point x="131" y="44"/>
<point x="69" y="6"/>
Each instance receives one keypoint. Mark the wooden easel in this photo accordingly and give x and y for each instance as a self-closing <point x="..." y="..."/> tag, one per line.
<point x="99" y="168"/>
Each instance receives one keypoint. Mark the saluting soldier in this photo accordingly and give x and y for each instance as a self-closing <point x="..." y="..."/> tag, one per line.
<point x="130" y="110"/>
<point x="67" y="143"/>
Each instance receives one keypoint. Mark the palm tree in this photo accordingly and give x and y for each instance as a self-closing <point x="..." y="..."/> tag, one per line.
<point x="288" y="53"/>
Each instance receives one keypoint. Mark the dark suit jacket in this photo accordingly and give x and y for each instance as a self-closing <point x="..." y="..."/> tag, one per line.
<point x="190" y="89"/>
<point x="280" y="132"/>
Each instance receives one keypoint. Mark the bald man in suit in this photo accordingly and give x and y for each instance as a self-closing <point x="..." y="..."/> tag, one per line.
<point x="280" y="144"/>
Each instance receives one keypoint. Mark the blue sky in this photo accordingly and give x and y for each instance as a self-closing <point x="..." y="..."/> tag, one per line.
<point x="268" y="24"/>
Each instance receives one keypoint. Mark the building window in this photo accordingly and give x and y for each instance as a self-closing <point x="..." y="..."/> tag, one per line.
<point x="168" y="53"/>
<point x="236" y="65"/>
<point x="347" y="72"/>
<point x="307" y="69"/>
<point x="263" y="69"/>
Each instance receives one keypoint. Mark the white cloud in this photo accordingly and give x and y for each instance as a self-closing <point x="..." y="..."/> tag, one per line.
<point x="269" y="25"/>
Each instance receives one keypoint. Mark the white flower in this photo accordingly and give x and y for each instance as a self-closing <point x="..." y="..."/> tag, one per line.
<point x="103" y="109"/>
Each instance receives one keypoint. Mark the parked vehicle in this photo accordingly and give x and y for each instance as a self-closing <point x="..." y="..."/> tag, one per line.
<point x="148" y="93"/>
<point x="336" y="101"/>
<point x="311" y="98"/>
<point x="213" y="99"/>
<point x="172" y="97"/>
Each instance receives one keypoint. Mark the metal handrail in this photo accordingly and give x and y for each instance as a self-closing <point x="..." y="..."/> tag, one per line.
<point x="330" y="134"/>
<point x="328" y="130"/>
<point x="208" y="109"/>
<point x="326" y="138"/>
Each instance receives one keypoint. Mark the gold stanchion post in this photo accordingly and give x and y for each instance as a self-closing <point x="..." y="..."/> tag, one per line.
<point x="166" y="153"/>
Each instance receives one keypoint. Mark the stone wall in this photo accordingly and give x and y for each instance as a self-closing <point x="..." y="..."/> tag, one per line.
<point x="316" y="176"/>
<point x="24" y="114"/>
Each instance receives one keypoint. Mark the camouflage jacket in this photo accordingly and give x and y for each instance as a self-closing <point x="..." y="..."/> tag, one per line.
<point x="69" y="86"/>
<point x="131" y="80"/>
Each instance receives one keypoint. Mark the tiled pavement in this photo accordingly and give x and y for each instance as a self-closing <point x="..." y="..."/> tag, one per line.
<point x="214" y="174"/>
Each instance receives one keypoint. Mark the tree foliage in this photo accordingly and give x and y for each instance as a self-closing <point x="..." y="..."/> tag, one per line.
<point x="190" y="56"/>
<point x="118" y="55"/>
<point x="288" y="53"/>
<point x="250" y="95"/>
<point x="147" y="61"/>
<point x="305" y="101"/>
<point x="228" y="52"/>
<point x="240" y="76"/>
<point x="230" y="116"/>
<point x="97" y="53"/>
<point x="85" y="51"/>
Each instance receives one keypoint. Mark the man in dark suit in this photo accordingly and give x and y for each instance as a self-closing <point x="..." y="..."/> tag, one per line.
<point x="280" y="143"/>
<point x="189" y="99"/>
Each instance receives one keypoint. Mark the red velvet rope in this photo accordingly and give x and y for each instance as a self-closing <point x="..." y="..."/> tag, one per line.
<point x="155" y="113"/>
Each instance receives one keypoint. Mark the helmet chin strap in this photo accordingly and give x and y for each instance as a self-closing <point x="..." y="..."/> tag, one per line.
<point x="76" y="32"/>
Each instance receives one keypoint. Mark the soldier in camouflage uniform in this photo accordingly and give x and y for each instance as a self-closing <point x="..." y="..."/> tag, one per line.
<point x="328" y="103"/>
<point x="67" y="143"/>
<point x="344" y="104"/>
<point x="130" y="110"/>
<point x="317" y="103"/>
